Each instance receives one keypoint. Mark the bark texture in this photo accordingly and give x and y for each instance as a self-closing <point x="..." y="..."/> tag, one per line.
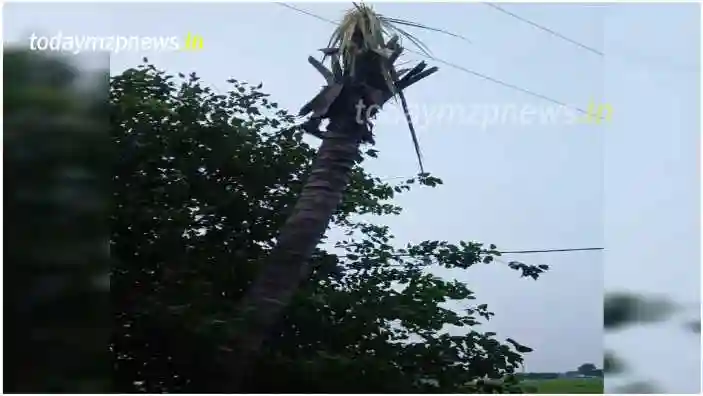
<point x="289" y="262"/>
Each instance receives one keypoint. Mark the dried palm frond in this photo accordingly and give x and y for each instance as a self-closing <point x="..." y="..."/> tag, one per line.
<point x="362" y="31"/>
<point x="421" y="26"/>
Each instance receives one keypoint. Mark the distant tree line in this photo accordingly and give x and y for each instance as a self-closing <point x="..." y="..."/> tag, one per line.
<point x="584" y="370"/>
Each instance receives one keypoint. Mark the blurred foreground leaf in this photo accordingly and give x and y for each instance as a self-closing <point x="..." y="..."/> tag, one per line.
<point x="56" y="267"/>
<point x="626" y="309"/>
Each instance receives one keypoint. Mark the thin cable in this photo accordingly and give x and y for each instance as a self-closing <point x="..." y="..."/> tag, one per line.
<point x="385" y="179"/>
<point x="459" y="67"/>
<point x="509" y="252"/>
<point x="307" y="13"/>
<point x="500" y="82"/>
<point x="490" y="79"/>
<point x="552" y="250"/>
<point x="634" y="56"/>
<point x="545" y="29"/>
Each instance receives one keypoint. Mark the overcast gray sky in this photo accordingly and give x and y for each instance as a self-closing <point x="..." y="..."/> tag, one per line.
<point x="629" y="184"/>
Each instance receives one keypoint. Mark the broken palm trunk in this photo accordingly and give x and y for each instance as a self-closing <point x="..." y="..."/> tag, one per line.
<point x="376" y="87"/>
<point x="347" y="91"/>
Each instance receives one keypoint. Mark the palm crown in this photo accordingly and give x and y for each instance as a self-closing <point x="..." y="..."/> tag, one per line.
<point x="365" y="46"/>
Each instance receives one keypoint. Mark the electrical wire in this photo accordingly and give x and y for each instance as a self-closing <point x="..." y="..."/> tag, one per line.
<point x="494" y="80"/>
<point x="621" y="53"/>
<point x="459" y="67"/>
<point x="545" y="29"/>
<point x="552" y="250"/>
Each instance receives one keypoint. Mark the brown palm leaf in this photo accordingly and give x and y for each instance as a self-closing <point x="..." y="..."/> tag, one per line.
<point x="362" y="30"/>
<point x="320" y="104"/>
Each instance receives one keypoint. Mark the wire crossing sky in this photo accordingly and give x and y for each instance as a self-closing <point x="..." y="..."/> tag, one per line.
<point x="630" y="185"/>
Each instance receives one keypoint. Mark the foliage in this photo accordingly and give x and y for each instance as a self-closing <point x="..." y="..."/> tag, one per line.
<point x="587" y="369"/>
<point x="56" y="262"/>
<point x="203" y="183"/>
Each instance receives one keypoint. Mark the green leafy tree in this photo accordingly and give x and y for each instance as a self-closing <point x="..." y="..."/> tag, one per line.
<point x="587" y="369"/>
<point x="203" y="183"/>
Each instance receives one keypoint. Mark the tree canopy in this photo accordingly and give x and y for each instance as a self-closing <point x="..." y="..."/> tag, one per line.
<point x="203" y="182"/>
<point x="588" y="369"/>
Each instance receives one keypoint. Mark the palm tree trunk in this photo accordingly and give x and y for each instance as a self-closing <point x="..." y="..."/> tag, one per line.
<point x="289" y="261"/>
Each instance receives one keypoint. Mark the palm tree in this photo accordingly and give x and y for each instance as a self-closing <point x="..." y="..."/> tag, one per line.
<point x="362" y="52"/>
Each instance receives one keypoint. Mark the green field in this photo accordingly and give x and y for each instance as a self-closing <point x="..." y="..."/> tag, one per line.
<point x="564" y="385"/>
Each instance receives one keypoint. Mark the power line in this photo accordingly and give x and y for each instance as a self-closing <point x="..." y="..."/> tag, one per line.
<point x="494" y="80"/>
<point x="562" y="250"/>
<point x="545" y="29"/>
<point x="511" y="251"/>
<point x="385" y="179"/>
<point x="500" y="82"/>
<point x="623" y="51"/>
<point x="497" y="82"/>
<point x="552" y="250"/>
<point x="458" y="67"/>
<point x="307" y="13"/>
